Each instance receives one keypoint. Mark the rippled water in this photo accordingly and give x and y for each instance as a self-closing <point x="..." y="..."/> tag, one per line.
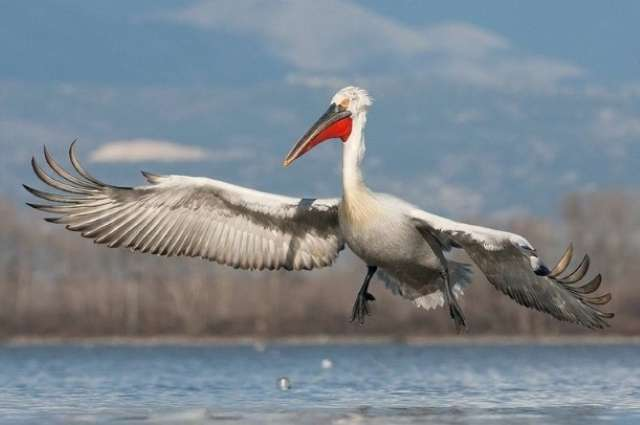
<point x="496" y="384"/>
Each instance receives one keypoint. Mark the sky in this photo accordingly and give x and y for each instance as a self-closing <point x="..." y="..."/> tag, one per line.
<point x="480" y="108"/>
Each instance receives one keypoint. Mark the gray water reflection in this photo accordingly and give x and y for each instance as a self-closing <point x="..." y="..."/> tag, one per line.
<point x="457" y="384"/>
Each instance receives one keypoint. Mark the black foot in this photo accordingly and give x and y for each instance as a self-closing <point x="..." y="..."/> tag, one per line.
<point x="360" y="309"/>
<point x="458" y="317"/>
<point x="454" y="309"/>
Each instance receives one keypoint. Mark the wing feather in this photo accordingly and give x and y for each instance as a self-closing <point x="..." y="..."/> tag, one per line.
<point x="512" y="265"/>
<point x="196" y="217"/>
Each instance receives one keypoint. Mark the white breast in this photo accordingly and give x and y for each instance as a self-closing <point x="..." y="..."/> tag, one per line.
<point x="375" y="231"/>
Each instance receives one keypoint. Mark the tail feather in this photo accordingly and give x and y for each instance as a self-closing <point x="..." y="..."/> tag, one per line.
<point x="460" y="277"/>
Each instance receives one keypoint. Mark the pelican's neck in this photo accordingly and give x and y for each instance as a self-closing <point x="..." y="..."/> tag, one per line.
<point x="352" y="154"/>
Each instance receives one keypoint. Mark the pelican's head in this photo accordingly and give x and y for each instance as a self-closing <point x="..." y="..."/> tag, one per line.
<point x="335" y="123"/>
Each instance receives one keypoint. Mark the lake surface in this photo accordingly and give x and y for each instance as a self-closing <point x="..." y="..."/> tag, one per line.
<point x="377" y="384"/>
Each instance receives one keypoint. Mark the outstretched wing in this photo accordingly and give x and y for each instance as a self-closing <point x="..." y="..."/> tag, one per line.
<point x="196" y="217"/>
<point x="512" y="265"/>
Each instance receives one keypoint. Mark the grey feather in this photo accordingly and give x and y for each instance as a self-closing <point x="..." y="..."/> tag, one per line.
<point x="563" y="263"/>
<point x="578" y="273"/>
<point x="509" y="269"/>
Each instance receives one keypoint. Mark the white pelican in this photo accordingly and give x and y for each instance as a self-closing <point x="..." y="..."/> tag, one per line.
<point x="244" y="228"/>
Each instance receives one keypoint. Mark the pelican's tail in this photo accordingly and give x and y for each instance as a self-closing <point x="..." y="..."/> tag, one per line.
<point x="460" y="277"/>
<point x="460" y="274"/>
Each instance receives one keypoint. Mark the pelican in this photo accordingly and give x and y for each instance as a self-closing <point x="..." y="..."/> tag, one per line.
<point x="243" y="228"/>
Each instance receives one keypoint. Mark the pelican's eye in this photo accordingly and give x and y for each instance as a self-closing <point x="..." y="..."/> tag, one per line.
<point x="344" y="104"/>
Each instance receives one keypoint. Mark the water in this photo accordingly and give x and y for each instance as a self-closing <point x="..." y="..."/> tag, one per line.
<point x="378" y="384"/>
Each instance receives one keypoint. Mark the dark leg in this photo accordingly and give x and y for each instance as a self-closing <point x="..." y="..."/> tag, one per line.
<point x="360" y="309"/>
<point x="454" y="308"/>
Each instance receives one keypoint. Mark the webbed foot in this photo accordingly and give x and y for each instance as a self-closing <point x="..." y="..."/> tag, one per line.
<point x="360" y="308"/>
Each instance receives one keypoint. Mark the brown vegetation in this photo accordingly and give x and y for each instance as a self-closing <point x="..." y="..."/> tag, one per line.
<point x="54" y="283"/>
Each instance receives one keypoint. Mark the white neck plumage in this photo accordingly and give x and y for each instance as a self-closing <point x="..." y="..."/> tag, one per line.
<point x="352" y="154"/>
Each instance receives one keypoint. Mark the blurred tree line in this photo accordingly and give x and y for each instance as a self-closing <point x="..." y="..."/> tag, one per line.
<point x="55" y="283"/>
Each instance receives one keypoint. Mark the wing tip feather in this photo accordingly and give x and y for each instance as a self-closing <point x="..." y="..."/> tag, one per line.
<point x="151" y="177"/>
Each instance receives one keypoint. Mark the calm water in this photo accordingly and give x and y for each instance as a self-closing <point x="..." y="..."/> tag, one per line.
<point x="380" y="384"/>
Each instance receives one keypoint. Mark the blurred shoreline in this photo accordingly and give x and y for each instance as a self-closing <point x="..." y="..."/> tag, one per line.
<point x="260" y="343"/>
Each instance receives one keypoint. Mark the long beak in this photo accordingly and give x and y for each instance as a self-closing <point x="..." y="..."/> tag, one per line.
<point x="331" y="124"/>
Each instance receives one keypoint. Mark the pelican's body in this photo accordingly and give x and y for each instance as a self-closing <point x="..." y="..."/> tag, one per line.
<point x="379" y="230"/>
<point x="244" y="228"/>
